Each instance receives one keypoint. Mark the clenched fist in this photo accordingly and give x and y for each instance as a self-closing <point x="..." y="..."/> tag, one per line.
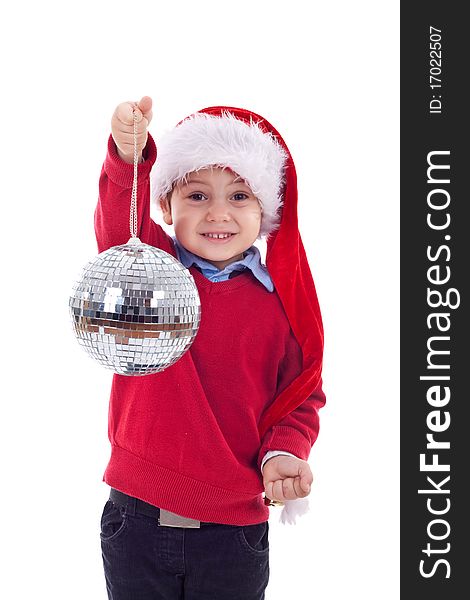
<point x="286" y="478"/>
<point x="122" y="127"/>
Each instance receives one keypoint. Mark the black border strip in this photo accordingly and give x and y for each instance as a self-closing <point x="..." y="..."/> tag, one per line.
<point x="435" y="268"/>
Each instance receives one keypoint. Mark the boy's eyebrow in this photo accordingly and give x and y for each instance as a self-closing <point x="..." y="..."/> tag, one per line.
<point x="194" y="181"/>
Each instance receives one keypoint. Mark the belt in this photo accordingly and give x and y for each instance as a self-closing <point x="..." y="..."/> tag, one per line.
<point x="163" y="517"/>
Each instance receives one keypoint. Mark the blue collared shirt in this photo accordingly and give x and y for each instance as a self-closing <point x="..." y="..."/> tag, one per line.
<point x="251" y="260"/>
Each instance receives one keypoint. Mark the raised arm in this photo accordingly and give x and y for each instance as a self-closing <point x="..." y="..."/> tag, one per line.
<point x="115" y="184"/>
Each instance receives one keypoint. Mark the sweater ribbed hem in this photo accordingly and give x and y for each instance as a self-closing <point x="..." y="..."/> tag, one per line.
<point x="180" y="494"/>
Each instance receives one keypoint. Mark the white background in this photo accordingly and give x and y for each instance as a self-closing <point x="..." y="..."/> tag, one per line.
<point x="325" y="74"/>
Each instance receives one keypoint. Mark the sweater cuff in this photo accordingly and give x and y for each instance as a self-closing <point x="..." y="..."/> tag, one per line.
<point x="289" y="439"/>
<point x="122" y="173"/>
<point x="272" y="454"/>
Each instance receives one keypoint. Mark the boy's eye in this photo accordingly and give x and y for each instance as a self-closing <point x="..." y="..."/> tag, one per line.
<point x="198" y="197"/>
<point x="240" y="196"/>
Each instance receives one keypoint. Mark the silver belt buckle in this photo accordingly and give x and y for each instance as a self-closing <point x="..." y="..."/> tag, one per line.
<point x="169" y="519"/>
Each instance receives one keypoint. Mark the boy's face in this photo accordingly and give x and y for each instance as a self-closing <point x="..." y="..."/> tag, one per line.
<point x="214" y="201"/>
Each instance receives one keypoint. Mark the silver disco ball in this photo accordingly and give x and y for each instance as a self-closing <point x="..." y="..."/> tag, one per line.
<point x="135" y="309"/>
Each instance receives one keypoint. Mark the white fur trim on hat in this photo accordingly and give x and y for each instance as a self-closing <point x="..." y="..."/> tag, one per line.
<point x="203" y="140"/>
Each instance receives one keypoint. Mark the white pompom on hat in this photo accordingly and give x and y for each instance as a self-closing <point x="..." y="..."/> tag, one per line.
<point x="204" y="140"/>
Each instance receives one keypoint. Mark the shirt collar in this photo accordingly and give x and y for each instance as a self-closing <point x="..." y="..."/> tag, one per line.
<point x="251" y="260"/>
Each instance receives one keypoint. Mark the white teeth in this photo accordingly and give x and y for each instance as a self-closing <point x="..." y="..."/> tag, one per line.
<point x="218" y="235"/>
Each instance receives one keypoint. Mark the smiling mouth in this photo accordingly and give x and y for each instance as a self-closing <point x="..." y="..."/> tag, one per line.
<point x="218" y="236"/>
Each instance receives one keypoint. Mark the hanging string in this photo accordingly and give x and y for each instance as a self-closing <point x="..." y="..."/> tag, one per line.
<point x="133" y="213"/>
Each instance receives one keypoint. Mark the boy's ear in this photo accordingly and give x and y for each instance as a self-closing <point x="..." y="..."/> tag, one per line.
<point x="166" y="210"/>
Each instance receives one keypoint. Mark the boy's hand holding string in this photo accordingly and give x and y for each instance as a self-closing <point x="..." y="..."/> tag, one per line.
<point x="122" y="127"/>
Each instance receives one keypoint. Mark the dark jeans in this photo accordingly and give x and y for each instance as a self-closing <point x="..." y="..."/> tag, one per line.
<point x="145" y="561"/>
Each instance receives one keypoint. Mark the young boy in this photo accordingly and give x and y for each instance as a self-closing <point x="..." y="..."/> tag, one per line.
<point x="195" y="446"/>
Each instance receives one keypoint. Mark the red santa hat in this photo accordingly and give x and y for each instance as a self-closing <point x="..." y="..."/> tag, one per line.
<point x="205" y="139"/>
<point x="251" y="147"/>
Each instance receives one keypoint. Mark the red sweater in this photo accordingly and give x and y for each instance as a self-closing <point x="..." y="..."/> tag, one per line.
<point x="187" y="439"/>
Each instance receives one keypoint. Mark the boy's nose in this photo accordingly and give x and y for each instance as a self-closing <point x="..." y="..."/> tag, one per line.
<point x="218" y="211"/>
